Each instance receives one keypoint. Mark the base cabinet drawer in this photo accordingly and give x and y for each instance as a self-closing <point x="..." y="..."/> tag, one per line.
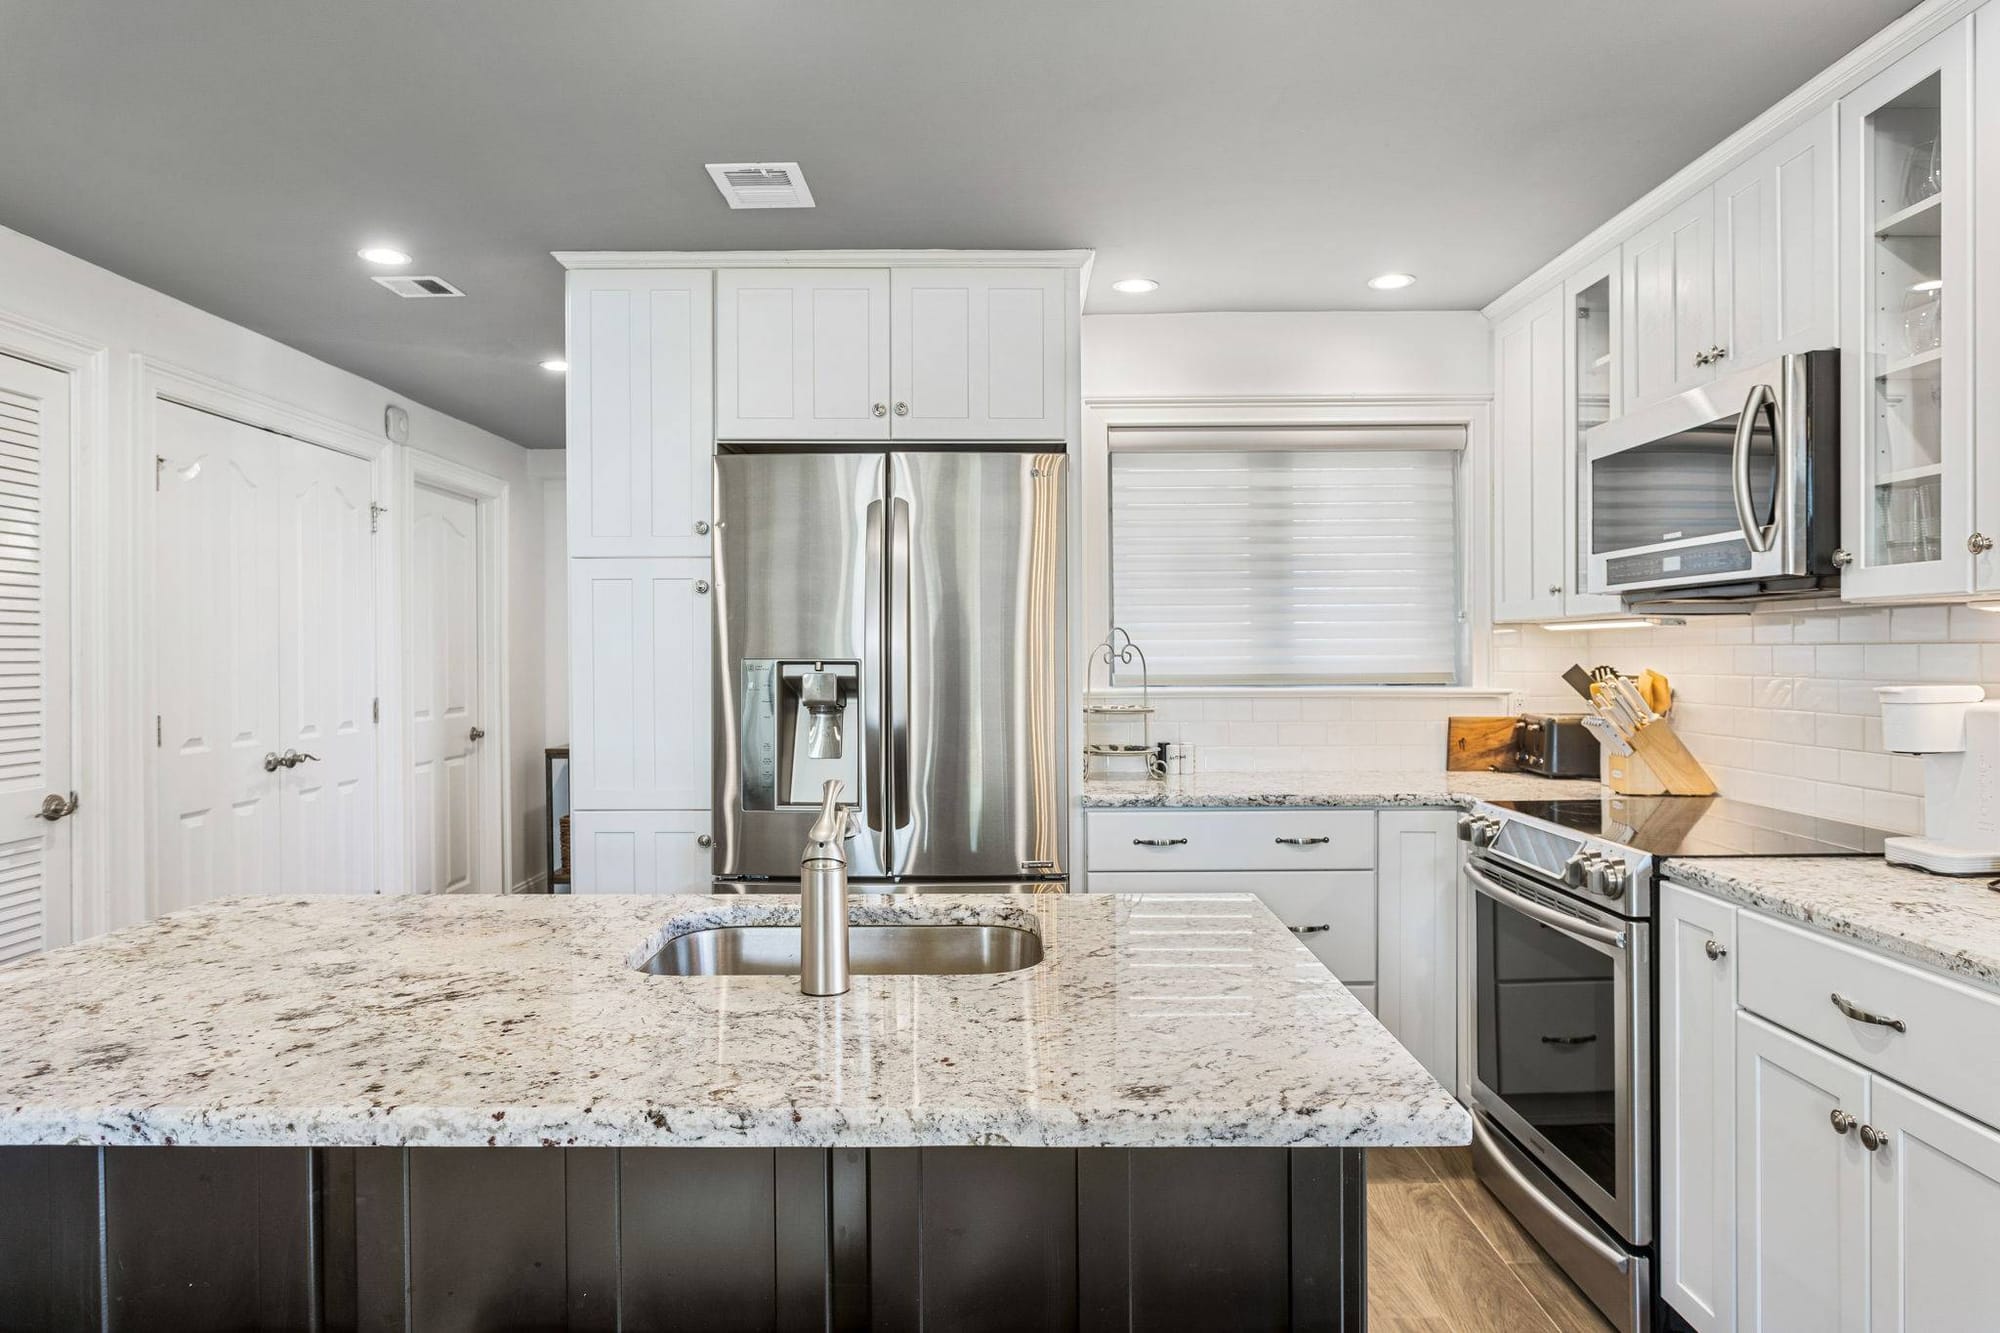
<point x="1333" y="913"/>
<point x="1231" y="839"/>
<point x="1792" y="977"/>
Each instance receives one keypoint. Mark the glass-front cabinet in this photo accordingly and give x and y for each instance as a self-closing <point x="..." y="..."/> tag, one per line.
<point x="1593" y="385"/>
<point x="1907" y="521"/>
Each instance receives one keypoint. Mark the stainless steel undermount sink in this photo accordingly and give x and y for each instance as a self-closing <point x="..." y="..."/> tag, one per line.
<point x="773" y="951"/>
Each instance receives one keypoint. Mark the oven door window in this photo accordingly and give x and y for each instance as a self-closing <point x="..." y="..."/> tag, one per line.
<point x="1549" y="1041"/>
<point x="1679" y="486"/>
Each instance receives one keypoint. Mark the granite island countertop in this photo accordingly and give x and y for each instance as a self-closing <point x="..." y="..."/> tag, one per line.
<point x="1943" y="922"/>
<point x="1354" y="789"/>
<point x="522" y="1021"/>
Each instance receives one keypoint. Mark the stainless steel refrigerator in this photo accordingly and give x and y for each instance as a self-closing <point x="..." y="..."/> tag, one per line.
<point x="895" y="620"/>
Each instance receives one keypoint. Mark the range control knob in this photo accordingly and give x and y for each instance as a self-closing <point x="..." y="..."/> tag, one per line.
<point x="1484" y="832"/>
<point x="1613" y="882"/>
<point x="1576" y="870"/>
<point x="1465" y="828"/>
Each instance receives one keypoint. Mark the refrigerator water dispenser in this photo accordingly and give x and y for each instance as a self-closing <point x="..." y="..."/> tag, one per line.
<point x="800" y="729"/>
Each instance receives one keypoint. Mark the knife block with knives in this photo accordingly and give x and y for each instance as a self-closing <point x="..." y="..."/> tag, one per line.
<point x="1642" y="755"/>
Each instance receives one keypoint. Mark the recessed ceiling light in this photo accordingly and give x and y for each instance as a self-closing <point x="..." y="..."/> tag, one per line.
<point x="382" y="254"/>
<point x="555" y="365"/>
<point x="1390" y="282"/>
<point x="1135" y="286"/>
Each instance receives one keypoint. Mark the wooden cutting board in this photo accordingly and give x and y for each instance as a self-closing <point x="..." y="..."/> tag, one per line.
<point x="1480" y="745"/>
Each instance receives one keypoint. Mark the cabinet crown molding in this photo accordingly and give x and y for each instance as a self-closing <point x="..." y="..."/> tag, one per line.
<point x="631" y="259"/>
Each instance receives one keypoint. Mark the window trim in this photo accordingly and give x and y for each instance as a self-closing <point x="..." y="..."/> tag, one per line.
<point x="1102" y="416"/>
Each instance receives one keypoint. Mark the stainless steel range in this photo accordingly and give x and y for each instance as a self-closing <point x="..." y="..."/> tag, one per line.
<point x="1560" y="1045"/>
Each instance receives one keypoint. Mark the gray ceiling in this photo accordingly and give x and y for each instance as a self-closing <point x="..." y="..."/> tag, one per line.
<point x="1259" y="155"/>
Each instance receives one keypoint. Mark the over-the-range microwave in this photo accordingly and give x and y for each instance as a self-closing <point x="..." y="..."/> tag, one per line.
<point x="1728" y="492"/>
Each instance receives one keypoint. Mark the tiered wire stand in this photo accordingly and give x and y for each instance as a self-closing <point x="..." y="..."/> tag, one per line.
<point x="1127" y="751"/>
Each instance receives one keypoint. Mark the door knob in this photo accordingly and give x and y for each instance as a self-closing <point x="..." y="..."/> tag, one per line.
<point x="476" y="734"/>
<point x="290" y="759"/>
<point x="55" y="806"/>
<point x="273" y="761"/>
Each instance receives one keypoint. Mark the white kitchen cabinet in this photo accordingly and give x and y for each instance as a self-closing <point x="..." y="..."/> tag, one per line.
<point x="977" y="353"/>
<point x="1802" y="1187"/>
<point x="1697" y="1053"/>
<point x="802" y="354"/>
<point x="1594" y="361"/>
<point x="640" y="696"/>
<point x="1670" y="303"/>
<point x="1934" y="1217"/>
<point x="1417" y="933"/>
<point x="1531" y="508"/>
<point x="1907" y="454"/>
<point x="640" y="413"/>
<point x="641" y="851"/>
<point x="1776" y="248"/>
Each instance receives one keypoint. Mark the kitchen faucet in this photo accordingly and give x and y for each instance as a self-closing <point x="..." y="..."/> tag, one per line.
<point x="823" y="900"/>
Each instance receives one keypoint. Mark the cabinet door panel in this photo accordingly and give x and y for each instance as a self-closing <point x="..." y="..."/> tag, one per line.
<point x="977" y="353"/>
<point x="640" y="690"/>
<point x="1669" y="303"/>
<point x="1934" y="1217"/>
<point x="1698" y="1108"/>
<point x="1802" y="1188"/>
<point x="1775" y="262"/>
<point x="802" y="354"/>
<point x="1529" y="542"/>
<point x="1417" y="905"/>
<point x="640" y="851"/>
<point x="641" y="412"/>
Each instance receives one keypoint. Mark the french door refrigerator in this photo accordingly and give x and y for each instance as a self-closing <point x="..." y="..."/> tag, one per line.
<point x="895" y="620"/>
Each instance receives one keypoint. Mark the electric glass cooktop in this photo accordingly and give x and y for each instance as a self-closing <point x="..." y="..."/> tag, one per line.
<point x="1669" y="826"/>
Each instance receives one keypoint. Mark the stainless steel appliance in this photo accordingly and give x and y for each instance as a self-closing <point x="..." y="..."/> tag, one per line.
<point x="1555" y="745"/>
<point x="1560" y="1047"/>
<point x="894" y="622"/>
<point x="1725" y="493"/>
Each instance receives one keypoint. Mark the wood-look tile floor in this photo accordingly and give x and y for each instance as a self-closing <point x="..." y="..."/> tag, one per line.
<point x="1445" y="1257"/>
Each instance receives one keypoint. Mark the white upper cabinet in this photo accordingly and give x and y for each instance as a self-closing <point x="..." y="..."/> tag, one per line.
<point x="1906" y="331"/>
<point x="977" y="353"/>
<point x="802" y="354"/>
<point x="1776" y="260"/>
<point x="640" y="413"/>
<point x="1530" y="543"/>
<point x="640" y="690"/>
<point x="1670" y="303"/>
<point x="1592" y="395"/>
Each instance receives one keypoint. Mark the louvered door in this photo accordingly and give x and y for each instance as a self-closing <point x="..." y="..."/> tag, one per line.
<point x="34" y="656"/>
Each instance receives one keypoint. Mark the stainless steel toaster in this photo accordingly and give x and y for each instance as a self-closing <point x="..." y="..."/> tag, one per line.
<point x="1555" y="745"/>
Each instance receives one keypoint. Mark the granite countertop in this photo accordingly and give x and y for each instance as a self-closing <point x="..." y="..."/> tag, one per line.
<point x="1153" y="1021"/>
<point x="1358" y="789"/>
<point x="1944" y="922"/>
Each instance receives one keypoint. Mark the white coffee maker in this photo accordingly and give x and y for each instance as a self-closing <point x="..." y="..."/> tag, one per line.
<point x="1959" y="737"/>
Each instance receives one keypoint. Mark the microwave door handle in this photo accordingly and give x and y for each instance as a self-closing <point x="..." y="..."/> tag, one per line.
<point x="1576" y="927"/>
<point x="1760" y="399"/>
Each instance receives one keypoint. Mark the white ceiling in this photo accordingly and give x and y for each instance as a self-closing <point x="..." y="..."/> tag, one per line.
<point x="1251" y="155"/>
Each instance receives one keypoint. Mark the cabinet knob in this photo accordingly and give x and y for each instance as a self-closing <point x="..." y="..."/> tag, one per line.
<point x="701" y="587"/>
<point x="703" y="840"/>
<point x="902" y="409"/>
<point x="1842" y="1121"/>
<point x="1716" y="953"/>
<point x="1555" y="589"/>
<point x="1843" y="558"/>
<point x="1873" y="1139"/>
<point x="1979" y="543"/>
<point x="1716" y="354"/>
<point x="701" y="527"/>
<point x="881" y="409"/>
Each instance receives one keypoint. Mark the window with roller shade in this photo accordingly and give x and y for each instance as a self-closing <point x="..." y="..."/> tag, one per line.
<point x="1284" y="556"/>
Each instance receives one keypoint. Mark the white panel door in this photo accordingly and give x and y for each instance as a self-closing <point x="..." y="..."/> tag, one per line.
<point x="326" y="660"/>
<point x="1801" y="1186"/>
<point x="1777" y="272"/>
<point x="802" y="354"/>
<point x="641" y="412"/>
<point x="1670" y="303"/>
<point x="1529" y="547"/>
<point x="1698" y="1108"/>
<point x="215" y="613"/>
<point x="1417" y="971"/>
<point x="640" y="686"/>
<point x="976" y="354"/>
<point x="642" y="851"/>
<point x="35" y="441"/>
<point x="442" y="685"/>
<point x="1934" y="1217"/>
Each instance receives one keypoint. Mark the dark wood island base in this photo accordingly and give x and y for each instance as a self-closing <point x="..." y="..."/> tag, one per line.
<point x="431" y="1240"/>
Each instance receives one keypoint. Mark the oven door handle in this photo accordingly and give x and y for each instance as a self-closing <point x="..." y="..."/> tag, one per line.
<point x="1583" y="1236"/>
<point x="1759" y="399"/>
<point x="1575" y="927"/>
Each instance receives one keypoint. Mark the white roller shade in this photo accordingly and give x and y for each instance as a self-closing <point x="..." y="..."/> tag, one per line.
<point x="1288" y="565"/>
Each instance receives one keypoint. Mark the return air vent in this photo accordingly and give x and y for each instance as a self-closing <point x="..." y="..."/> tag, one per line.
<point x="761" y="184"/>
<point x="417" y="289"/>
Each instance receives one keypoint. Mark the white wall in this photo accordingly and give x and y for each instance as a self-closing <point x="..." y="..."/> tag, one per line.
<point x="1303" y="354"/>
<point x="44" y="290"/>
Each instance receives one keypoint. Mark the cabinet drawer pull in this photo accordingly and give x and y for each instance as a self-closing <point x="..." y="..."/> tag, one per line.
<point x="1312" y="930"/>
<point x="1860" y="1015"/>
<point x="1302" y="842"/>
<point x="1159" y="842"/>
<point x="1584" y="1040"/>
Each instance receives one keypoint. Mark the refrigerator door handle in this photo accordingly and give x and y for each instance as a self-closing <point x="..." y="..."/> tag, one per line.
<point x="898" y="661"/>
<point x="873" y="751"/>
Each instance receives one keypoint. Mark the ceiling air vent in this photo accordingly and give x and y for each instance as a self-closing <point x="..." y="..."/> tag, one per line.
<point x="761" y="184"/>
<point x="417" y="289"/>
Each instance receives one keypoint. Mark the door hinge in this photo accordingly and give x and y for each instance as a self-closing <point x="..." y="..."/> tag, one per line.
<point x="375" y="512"/>
<point x="375" y="710"/>
<point x="157" y="728"/>
<point x="159" y="466"/>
